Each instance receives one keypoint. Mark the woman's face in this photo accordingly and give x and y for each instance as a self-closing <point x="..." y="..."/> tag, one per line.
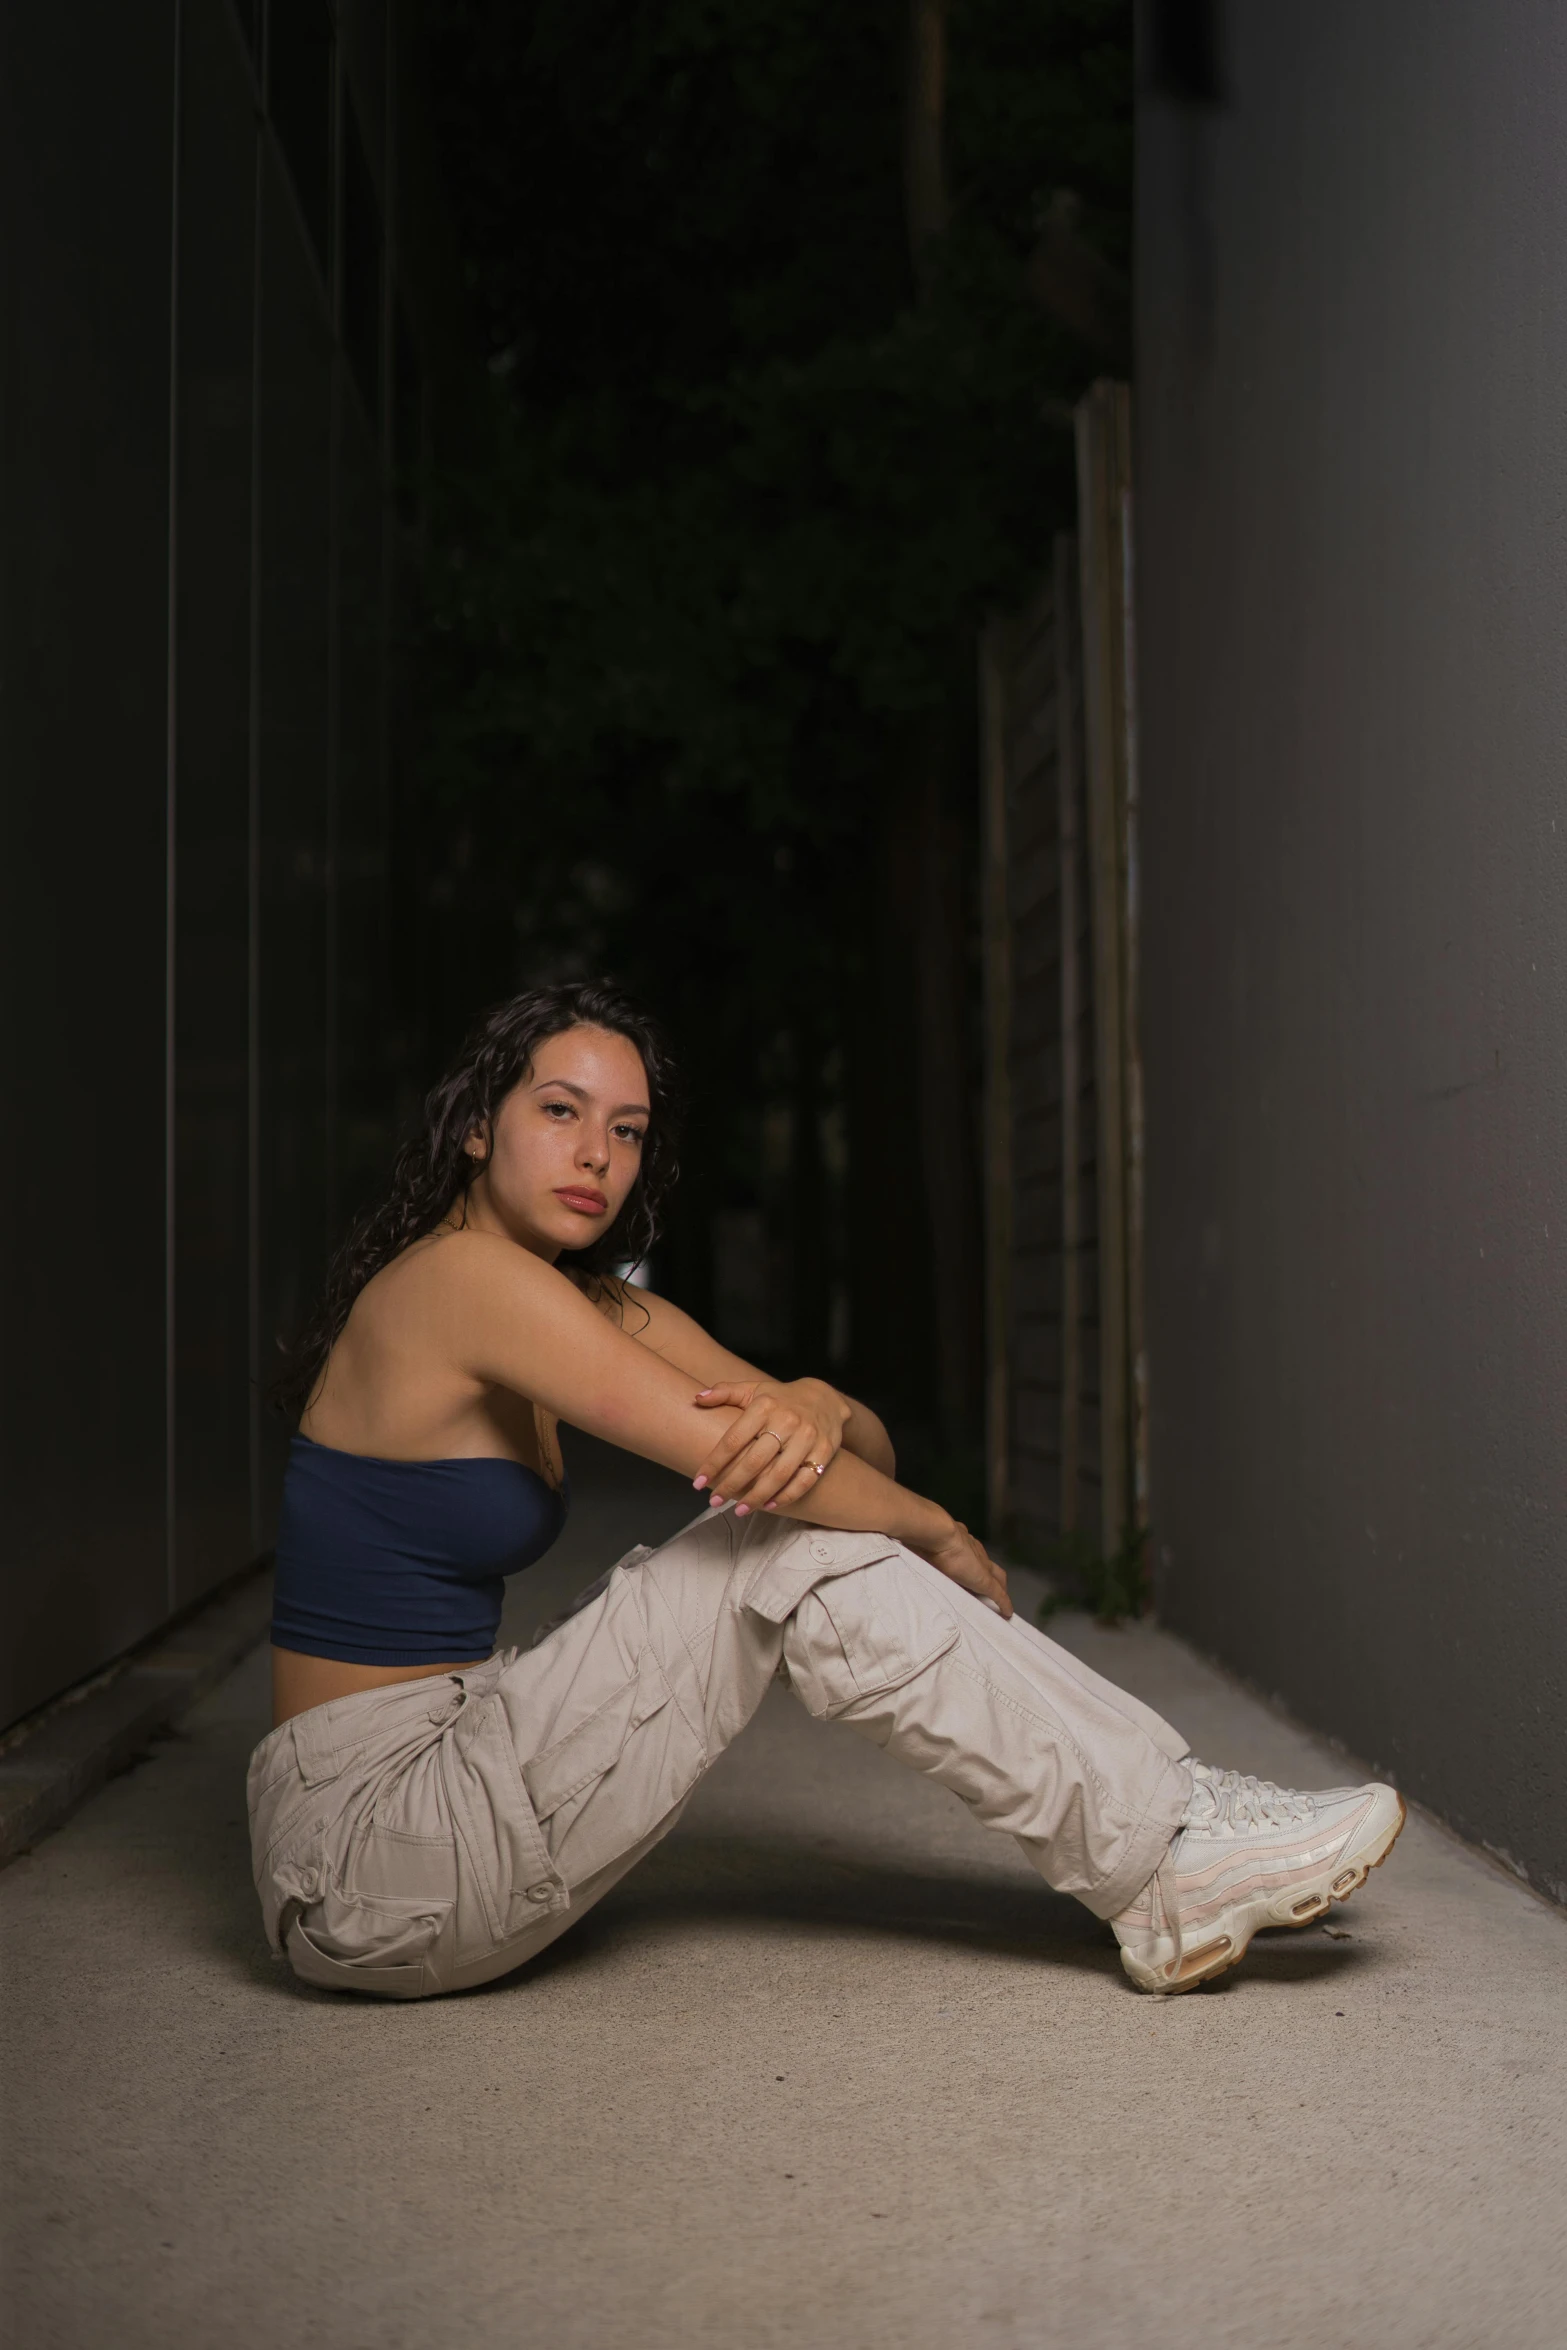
<point x="567" y="1143"/>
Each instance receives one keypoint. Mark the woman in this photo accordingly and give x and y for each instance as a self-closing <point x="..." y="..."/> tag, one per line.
<point x="427" y="1815"/>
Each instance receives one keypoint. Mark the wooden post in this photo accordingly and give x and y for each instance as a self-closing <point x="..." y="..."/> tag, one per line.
<point x="1136" y="1305"/>
<point x="924" y="134"/>
<point x="1103" y="479"/>
<point x="1069" y="849"/>
<point x="998" y="1078"/>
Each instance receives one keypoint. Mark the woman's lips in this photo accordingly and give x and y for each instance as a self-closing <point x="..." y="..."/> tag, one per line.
<point x="586" y="1203"/>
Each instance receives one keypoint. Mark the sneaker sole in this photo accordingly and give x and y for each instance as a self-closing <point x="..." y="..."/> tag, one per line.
<point x="1302" y="1907"/>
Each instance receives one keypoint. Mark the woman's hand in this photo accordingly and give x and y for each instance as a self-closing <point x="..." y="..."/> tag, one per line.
<point x="769" y="1455"/>
<point x="959" y="1554"/>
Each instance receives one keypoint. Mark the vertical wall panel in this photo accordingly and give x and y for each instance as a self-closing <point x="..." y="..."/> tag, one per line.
<point x="295" y="587"/>
<point x="1049" y="1279"/>
<point x="212" y="1334"/>
<point x="1352" y="338"/>
<point x="86" y="154"/>
<point x="364" y="1013"/>
<point x="171" y="1149"/>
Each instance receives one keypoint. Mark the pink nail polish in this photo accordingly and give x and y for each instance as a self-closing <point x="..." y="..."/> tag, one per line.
<point x="715" y="1501"/>
<point x="700" y="1483"/>
<point x="742" y="1509"/>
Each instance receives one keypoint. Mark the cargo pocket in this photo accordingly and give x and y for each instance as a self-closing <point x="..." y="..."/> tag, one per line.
<point x="620" y="1775"/>
<point x="373" y="1929"/>
<point x="786" y="1574"/>
<point x="382" y="1892"/>
<point x="360" y="1942"/>
<point x="559" y="1773"/>
<point x="503" y="1861"/>
<point x="858" y="1635"/>
<point x="388" y="1866"/>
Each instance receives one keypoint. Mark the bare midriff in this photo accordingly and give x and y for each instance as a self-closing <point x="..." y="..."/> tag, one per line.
<point x="299" y="1682"/>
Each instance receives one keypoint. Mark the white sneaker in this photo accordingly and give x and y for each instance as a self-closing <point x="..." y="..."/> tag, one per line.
<point x="1249" y="1854"/>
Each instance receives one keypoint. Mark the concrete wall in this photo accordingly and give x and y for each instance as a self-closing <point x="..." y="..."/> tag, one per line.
<point x="1352" y="539"/>
<point x="195" y="549"/>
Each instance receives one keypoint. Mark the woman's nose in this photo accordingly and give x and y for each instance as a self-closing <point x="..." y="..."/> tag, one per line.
<point x="595" y="1152"/>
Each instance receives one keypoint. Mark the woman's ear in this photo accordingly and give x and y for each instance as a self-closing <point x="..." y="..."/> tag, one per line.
<point x="476" y="1142"/>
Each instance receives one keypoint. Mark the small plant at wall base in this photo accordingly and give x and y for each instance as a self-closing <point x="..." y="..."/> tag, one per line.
<point x="1111" y="1588"/>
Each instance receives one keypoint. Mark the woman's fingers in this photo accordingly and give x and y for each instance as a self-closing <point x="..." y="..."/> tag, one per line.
<point x="710" y="1397"/>
<point x="776" y="1475"/>
<point x="803" y="1482"/>
<point x="765" y="1454"/>
<point x="969" y="1563"/>
<point x="747" y="1480"/>
<point x="769" y="1465"/>
<point x="998" y="1581"/>
<point x="739" y="1434"/>
<point x="994" y="1578"/>
<point x="753" y="1448"/>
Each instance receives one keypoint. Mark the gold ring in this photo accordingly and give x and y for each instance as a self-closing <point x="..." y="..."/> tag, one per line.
<point x="820" y="1467"/>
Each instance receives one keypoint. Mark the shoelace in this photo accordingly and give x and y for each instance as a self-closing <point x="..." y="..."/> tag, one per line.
<point x="1225" y="1802"/>
<point x="1164" y="1886"/>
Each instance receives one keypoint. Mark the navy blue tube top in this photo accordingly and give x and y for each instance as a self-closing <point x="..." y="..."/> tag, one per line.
<point x="403" y="1562"/>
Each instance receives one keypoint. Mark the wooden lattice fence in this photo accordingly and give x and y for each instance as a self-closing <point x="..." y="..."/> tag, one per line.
<point x="1066" y="1384"/>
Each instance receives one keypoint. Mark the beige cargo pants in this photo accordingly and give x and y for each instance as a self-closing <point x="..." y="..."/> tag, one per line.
<point x="436" y="1834"/>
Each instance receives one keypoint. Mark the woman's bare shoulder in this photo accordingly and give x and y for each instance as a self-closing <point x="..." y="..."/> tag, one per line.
<point x="465" y="1268"/>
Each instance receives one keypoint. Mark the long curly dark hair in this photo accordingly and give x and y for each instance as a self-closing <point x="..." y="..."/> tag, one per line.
<point x="433" y="1169"/>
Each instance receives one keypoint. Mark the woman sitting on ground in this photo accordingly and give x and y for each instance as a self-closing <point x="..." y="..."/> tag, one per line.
<point x="427" y="1814"/>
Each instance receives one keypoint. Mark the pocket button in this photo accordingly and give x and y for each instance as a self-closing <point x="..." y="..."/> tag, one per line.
<point x="822" y="1550"/>
<point x="538" y="1892"/>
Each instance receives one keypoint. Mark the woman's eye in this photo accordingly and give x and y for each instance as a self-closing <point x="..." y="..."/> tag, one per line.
<point x="629" y="1133"/>
<point x="564" y="1108"/>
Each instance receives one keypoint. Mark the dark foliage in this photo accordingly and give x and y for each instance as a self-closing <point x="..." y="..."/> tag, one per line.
<point x="713" y="592"/>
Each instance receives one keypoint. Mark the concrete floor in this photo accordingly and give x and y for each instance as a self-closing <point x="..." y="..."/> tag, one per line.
<point x="832" y="2071"/>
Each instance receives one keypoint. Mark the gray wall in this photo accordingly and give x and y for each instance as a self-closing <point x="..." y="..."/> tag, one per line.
<point x="195" y="578"/>
<point x="1352" y="539"/>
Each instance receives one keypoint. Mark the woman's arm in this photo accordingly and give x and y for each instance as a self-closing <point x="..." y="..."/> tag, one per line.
<point x="813" y="1418"/>
<point x="865" y="1434"/>
<point x="512" y="1321"/>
